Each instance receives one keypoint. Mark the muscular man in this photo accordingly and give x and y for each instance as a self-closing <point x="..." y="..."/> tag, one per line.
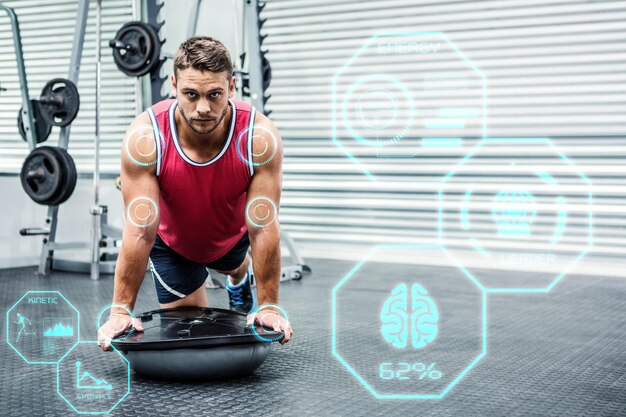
<point x="201" y="177"/>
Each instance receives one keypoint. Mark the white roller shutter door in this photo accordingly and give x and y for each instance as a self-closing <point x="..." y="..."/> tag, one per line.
<point x="555" y="69"/>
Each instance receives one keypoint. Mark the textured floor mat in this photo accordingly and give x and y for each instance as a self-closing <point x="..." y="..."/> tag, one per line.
<point x="556" y="354"/>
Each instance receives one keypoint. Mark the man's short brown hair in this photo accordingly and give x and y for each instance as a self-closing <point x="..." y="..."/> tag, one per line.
<point x="203" y="53"/>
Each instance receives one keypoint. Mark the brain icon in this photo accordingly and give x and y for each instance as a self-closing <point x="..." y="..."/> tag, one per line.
<point x="401" y="317"/>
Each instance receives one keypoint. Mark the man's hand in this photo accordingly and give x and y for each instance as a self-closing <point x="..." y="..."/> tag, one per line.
<point x="274" y="320"/>
<point x="118" y="323"/>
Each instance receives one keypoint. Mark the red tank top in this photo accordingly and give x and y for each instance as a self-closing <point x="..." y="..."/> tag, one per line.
<point x="202" y="204"/>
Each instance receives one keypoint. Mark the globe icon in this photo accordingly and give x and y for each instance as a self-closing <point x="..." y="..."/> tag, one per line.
<point x="403" y="318"/>
<point x="513" y="211"/>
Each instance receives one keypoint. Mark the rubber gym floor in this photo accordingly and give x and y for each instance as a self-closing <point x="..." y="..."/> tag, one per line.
<point x="554" y="354"/>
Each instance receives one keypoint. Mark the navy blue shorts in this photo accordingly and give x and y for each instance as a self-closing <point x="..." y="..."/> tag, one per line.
<point x="176" y="276"/>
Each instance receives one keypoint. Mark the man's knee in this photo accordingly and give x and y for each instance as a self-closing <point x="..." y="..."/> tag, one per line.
<point x="236" y="271"/>
<point x="230" y="272"/>
<point x="240" y="270"/>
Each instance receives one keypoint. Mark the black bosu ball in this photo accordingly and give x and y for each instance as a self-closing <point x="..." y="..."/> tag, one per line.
<point x="195" y="343"/>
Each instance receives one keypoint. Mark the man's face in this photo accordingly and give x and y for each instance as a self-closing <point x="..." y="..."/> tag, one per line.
<point x="203" y="97"/>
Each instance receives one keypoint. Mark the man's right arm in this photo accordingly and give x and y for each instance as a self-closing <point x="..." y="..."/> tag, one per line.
<point x="140" y="191"/>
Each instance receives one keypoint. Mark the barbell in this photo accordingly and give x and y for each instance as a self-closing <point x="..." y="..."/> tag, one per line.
<point x="137" y="51"/>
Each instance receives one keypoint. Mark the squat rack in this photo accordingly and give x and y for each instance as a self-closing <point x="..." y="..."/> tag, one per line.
<point x="102" y="232"/>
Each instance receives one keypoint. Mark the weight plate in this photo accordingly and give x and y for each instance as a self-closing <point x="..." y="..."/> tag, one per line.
<point x="70" y="177"/>
<point x="59" y="102"/>
<point x="136" y="49"/>
<point x="42" y="129"/>
<point x="42" y="174"/>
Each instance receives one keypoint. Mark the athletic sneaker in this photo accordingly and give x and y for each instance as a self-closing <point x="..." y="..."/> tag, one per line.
<point x="240" y="296"/>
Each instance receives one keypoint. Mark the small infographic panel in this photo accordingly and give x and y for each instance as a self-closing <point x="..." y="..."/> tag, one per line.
<point x="512" y="203"/>
<point x="91" y="381"/>
<point x="406" y="97"/>
<point x="42" y="326"/>
<point x="418" y="331"/>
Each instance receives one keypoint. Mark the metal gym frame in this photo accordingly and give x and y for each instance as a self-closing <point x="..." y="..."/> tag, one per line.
<point x="27" y="108"/>
<point x="103" y="234"/>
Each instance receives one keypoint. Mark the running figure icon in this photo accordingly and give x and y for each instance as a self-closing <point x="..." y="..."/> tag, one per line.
<point x="21" y="320"/>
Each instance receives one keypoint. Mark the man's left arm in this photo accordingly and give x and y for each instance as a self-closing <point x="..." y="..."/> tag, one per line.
<point x="262" y="208"/>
